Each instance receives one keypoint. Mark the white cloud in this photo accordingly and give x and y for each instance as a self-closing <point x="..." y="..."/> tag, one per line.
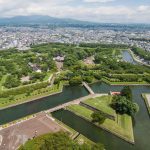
<point x="59" y="8"/>
<point x="98" y="1"/>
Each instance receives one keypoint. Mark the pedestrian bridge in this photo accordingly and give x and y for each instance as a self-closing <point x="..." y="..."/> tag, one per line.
<point x="88" y="88"/>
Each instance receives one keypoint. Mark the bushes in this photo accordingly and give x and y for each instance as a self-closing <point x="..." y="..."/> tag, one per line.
<point x="98" y="117"/>
<point x="124" y="106"/>
<point x="75" y="81"/>
<point x="142" y="53"/>
<point x="12" y="81"/>
<point x="126" y="91"/>
<point x="23" y="89"/>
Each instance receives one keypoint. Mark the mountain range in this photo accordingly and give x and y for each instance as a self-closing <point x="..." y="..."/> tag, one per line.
<point x="38" y="19"/>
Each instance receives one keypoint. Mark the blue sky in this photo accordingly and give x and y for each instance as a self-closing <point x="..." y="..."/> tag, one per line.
<point x="115" y="11"/>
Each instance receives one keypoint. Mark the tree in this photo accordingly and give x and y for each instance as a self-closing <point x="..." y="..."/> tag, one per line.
<point x="88" y="79"/>
<point x="70" y="60"/>
<point x="12" y="81"/>
<point x="124" y="106"/>
<point x="75" y="80"/>
<point x="98" y="117"/>
<point x="127" y="92"/>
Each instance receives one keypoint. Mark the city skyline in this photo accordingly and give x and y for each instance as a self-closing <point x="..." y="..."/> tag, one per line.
<point x="103" y="11"/>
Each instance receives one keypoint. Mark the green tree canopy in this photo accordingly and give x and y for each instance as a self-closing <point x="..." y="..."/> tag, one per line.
<point x="126" y="91"/>
<point x="124" y="106"/>
<point x="58" y="141"/>
<point x="98" y="117"/>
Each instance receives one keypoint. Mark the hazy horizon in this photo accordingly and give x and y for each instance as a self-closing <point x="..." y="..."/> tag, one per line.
<point x="100" y="11"/>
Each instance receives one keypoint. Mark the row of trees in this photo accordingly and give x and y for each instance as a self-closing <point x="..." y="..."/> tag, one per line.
<point x="140" y="52"/>
<point x="23" y="89"/>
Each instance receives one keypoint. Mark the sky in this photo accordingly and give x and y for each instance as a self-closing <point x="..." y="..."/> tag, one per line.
<point x="105" y="11"/>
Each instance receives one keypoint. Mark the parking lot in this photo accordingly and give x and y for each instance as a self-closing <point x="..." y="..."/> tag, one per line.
<point x="12" y="137"/>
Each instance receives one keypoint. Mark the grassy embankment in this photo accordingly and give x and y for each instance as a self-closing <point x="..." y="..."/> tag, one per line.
<point x="81" y="139"/>
<point x="124" y="83"/>
<point x="146" y="102"/>
<point x="70" y="130"/>
<point x="101" y="104"/>
<point x="121" y="126"/>
<point x="18" y="99"/>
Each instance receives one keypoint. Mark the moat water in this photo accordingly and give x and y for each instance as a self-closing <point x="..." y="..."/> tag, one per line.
<point x="111" y="142"/>
<point x="127" y="57"/>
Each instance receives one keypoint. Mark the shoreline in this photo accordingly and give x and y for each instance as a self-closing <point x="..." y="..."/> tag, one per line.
<point x="107" y="130"/>
<point x="44" y="96"/>
<point x="146" y="102"/>
<point x="31" y="100"/>
<point x="137" y="60"/>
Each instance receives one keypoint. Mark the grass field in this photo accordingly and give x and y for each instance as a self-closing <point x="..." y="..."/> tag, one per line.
<point x="101" y="103"/>
<point x="121" y="127"/>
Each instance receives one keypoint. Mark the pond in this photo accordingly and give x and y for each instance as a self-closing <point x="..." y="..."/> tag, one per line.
<point x="127" y="57"/>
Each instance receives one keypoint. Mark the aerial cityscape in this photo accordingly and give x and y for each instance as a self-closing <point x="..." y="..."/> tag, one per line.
<point x="75" y="75"/>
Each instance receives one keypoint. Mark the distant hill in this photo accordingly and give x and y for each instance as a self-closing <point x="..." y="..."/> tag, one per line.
<point x="38" y="19"/>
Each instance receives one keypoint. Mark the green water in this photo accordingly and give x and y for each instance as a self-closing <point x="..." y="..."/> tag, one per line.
<point x="141" y="122"/>
<point x="68" y="94"/>
<point x="111" y="142"/>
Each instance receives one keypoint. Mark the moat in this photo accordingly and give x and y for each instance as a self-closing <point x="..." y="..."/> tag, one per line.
<point x="141" y="121"/>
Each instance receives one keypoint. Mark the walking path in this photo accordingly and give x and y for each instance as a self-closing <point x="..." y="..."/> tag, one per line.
<point x="88" y="88"/>
<point x="77" y="101"/>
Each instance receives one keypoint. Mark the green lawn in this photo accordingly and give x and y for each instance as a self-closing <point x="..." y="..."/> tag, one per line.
<point x="101" y="103"/>
<point x="80" y="110"/>
<point x="122" y="127"/>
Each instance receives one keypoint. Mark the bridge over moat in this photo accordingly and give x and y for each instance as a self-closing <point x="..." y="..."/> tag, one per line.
<point x="88" y="88"/>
